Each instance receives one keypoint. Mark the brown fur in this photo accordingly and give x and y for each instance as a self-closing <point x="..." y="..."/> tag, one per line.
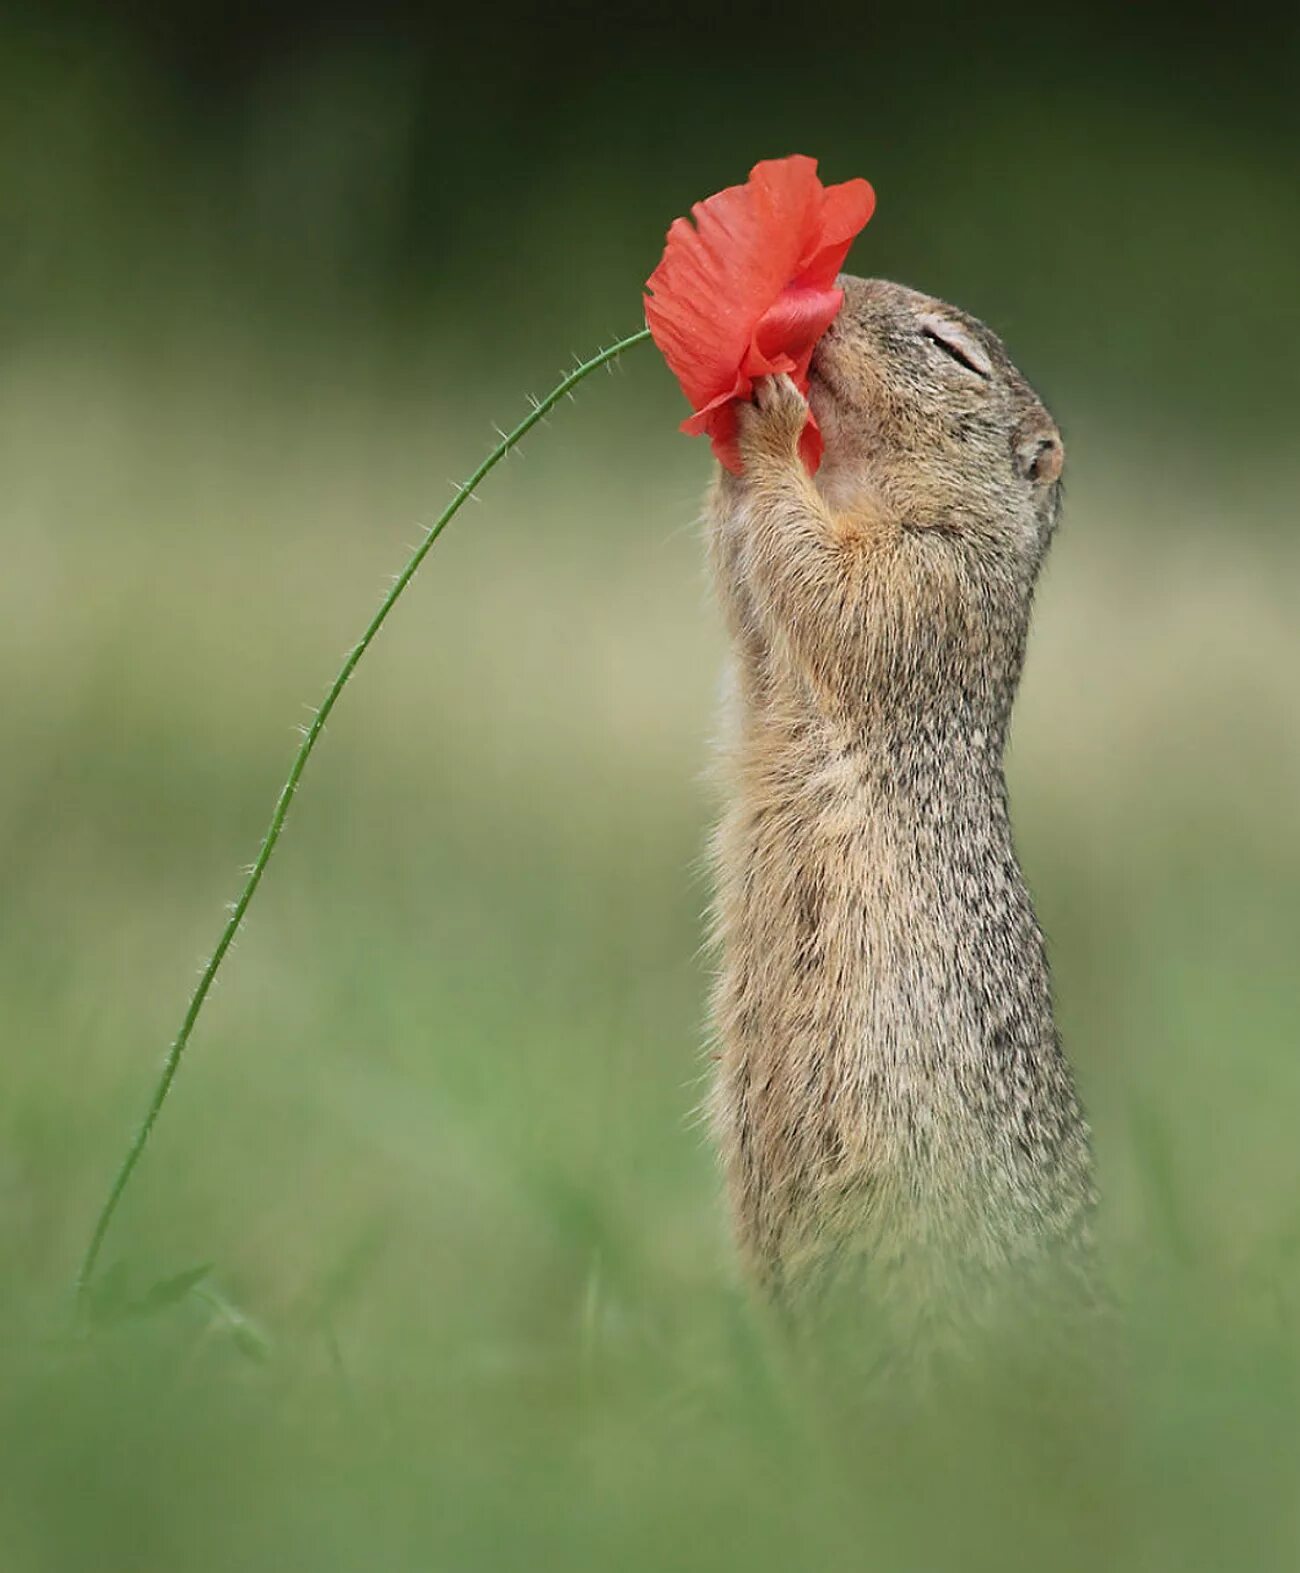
<point x="891" y="1101"/>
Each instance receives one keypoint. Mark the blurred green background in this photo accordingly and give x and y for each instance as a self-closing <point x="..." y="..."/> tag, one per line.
<point x="267" y="279"/>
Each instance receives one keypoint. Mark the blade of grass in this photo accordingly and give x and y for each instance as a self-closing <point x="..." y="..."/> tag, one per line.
<point x="540" y="408"/>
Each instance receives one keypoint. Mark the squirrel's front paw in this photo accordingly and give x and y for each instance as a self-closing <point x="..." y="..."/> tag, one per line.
<point x="770" y="428"/>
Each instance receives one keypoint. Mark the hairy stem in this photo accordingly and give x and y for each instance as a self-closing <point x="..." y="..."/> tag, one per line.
<point x="283" y="803"/>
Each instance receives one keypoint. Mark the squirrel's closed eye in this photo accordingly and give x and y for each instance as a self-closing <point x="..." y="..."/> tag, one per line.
<point x="956" y="344"/>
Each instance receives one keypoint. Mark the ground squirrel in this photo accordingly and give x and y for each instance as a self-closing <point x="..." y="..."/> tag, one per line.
<point x="891" y="1100"/>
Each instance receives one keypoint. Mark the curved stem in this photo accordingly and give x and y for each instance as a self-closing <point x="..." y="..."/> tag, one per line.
<point x="177" y="1050"/>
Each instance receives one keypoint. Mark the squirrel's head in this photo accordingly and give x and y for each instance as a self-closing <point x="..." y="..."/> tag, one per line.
<point x="926" y="420"/>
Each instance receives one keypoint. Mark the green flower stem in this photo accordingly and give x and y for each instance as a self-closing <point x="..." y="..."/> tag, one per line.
<point x="177" y="1050"/>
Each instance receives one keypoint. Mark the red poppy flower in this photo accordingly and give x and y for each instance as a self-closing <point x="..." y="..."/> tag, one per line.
<point x="749" y="288"/>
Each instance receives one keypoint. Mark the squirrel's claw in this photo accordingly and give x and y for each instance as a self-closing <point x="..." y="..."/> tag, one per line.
<point x="771" y="426"/>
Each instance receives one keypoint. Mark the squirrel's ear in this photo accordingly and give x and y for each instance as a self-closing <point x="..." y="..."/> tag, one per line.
<point x="1039" y="454"/>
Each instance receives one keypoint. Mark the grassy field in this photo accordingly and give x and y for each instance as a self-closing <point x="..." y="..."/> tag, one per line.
<point x="471" y="1304"/>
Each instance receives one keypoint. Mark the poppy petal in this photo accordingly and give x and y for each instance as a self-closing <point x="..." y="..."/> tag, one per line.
<point x="846" y="210"/>
<point x="795" y="321"/>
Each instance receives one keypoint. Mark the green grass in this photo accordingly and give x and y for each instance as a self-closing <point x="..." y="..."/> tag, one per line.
<point x="436" y="1134"/>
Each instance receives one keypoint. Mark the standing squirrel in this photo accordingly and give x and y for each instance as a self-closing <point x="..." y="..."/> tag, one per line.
<point x="891" y="1101"/>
